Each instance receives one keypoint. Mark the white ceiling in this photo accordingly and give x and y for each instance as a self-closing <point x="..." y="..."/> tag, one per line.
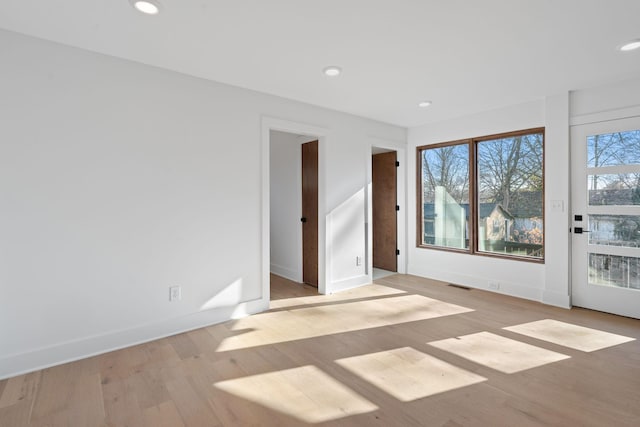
<point x="464" y="55"/>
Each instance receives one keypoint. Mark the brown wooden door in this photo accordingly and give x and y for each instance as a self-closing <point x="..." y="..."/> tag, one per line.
<point x="383" y="195"/>
<point x="310" y="213"/>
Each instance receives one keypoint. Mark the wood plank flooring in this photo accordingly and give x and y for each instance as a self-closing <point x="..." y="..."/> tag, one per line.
<point x="311" y="361"/>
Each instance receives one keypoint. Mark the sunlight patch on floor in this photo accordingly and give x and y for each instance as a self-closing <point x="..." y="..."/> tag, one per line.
<point x="368" y="291"/>
<point x="306" y="393"/>
<point x="499" y="353"/>
<point x="568" y="335"/>
<point x="291" y="325"/>
<point x="407" y="374"/>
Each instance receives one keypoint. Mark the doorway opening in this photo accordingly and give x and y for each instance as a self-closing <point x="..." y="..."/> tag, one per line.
<point x="384" y="211"/>
<point x="293" y="214"/>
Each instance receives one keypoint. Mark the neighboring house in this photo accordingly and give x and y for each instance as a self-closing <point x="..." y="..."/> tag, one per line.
<point x="516" y="229"/>
<point x="430" y="216"/>
<point x="498" y="225"/>
<point x="525" y="207"/>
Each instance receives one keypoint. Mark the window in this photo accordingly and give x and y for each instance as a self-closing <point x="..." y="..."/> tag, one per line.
<point x="484" y="195"/>
<point x="445" y="193"/>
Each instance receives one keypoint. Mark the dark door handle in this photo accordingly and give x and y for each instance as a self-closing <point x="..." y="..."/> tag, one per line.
<point x="579" y="230"/>
<point x="303" y="219"/>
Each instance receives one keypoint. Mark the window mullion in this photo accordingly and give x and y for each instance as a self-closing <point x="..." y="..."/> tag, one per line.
<point x="473" y="197"/>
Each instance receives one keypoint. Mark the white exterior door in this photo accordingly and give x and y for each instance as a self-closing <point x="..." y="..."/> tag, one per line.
<point x="606" y="216"/>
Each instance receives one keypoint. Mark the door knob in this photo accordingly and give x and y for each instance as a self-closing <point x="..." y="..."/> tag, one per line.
<point x="303" y="219"/>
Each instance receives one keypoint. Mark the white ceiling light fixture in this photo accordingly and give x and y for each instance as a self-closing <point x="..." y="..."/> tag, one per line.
<point x="149" y="7"/>
<point x="424" y="104"/>
<point x="332" y="71"/>
<point x="630" y="45"/>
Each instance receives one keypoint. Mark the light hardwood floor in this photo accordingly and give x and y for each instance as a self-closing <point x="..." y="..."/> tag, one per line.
<point x="404" y="351"/>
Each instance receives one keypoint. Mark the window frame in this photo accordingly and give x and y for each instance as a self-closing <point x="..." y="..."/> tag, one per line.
<point x="420" y="192"/>
<point x="473" y="227"/>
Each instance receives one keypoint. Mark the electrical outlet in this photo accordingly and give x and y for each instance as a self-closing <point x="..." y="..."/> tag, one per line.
<point x="494" y="285"/>
<point x="175" y="293"/>
<point x="358" y="260"/>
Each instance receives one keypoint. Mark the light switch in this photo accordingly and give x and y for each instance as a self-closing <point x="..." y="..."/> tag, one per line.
<point x="557" y="206"/>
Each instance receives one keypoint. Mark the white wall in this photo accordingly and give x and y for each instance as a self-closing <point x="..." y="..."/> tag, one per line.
<point x="557" y="202"/>
<point x="608" y="102"/>
<point x="118" y="180"/>
<point x="547" y="282"/>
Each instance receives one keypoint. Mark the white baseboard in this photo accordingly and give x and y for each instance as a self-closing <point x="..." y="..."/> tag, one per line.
<point x="69" y="351"/>
<point x="285" y="272"/>
<point x="506" y="288"/>
<point x="350" y="283"/>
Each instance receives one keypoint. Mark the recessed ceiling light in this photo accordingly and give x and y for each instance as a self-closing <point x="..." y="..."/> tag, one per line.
<point x="424" y="104"/>
<point x="332" y="71"/>
<point x="150" y="7"/>
<point x="632" y="45"/>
